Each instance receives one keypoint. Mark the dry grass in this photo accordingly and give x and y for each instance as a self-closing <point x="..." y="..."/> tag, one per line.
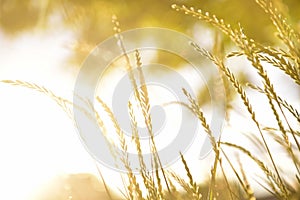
<point x="164" y="184"/>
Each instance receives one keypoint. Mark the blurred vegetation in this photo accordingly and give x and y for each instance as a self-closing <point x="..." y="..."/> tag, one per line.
<point x="73" y="186"/>
<point x="90" y="20"/>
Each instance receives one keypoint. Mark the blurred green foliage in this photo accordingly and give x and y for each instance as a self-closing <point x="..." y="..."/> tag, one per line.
<point x="90" y="20"/>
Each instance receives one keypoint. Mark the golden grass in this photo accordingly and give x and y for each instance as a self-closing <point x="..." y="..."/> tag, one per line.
<point x="161" y="183"/>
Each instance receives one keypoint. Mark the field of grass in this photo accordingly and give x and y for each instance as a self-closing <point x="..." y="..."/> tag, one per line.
<point x="283" y="131"/>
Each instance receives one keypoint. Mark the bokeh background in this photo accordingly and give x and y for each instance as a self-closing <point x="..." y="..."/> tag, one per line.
<point x="46" y="42"/>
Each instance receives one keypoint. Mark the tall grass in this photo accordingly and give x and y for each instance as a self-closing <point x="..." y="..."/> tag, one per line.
<point x="165" y="184"/>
